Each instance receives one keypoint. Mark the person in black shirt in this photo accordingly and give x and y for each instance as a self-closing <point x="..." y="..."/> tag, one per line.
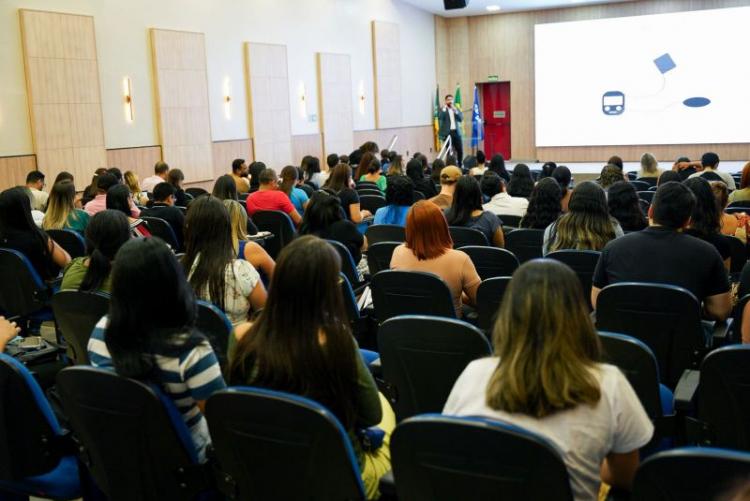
<point x="663" y="253"/>
<point x="163" y="208"/>
<point x="422" y="184"/>
<point x="705" y="222"/>
<point x="175" y="177"/>
<point x="324" y="218"/>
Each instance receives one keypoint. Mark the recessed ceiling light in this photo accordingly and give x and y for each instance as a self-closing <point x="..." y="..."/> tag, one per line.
<point x="493" y="8"/>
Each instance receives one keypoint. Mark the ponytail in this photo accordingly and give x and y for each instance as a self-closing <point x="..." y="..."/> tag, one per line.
<point x="97" y="273"/>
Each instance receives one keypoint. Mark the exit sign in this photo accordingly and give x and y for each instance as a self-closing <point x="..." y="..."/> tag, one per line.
<point x="493" y="78"/>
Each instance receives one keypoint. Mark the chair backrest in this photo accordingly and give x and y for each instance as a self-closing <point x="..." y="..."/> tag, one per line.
<point x="743" y="207"/>
<point x="273" y="445"/>
<point x="379" y="256"/>
<point x="651" y="181"/>
<point x="711" y="176"/>
<point x="397" y="293"/>
<point x="739" y="311"/>
<point x="76" y="315"/>
<point x="491" y="262"/>
<point x="195" y="191"/>
<point x="309" y="190"/>
<point x="525" y="244"/>
<point x="489" y="297"/>
<point x="644" y="206"/>
<point x="423" y="356"/>
<point x="583" y="262"/>
<point x="724" y="396"/>
<point x="28" y="426"/>
<point x="640" y="185"/>
<point x="217" y="328"/>
<point x="350" y="301"/>
<point x="510" y="220"/>
<point x="737" y="253"/>
<point x="374" y="191"/>
<point x="134" y="440"/>
<point x="647" y="195"/>
<point x="348" y="266"/>
<point x="739" y="203"/>
<point x="22" y="291"/>
<point x="162" y="229"/>
<point x="691" y="474"/>
<point x="385" y="233"/>
<point x="371" y="202"/>
<point x="280" y="225"/>
<point x="666" y="318"/>
<point x="464" y="237"/>
<point x="445" y="457"/>
<point x="70" y="240"/>
<point x="638" y="364"/>
<point x="632" y="175"/>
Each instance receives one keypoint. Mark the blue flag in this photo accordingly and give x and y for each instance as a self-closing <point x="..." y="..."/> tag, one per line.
<point x="477" y="130"/>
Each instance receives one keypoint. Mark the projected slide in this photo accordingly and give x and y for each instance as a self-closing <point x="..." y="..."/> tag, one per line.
<point x="644" y="80"/>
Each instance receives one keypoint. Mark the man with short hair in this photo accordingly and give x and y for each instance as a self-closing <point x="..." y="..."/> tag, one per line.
<point x="449" y="176"/>
<point x="164" y="208"/>
<point x="448" y="119"/>
<point x="500" y="202"/>
<point x="35" y="184"/>
<point x="479" y="169"/>
<point x="103" y="183"/>
<point x="270" y="197"/>
<point x="710" y="164"/>
<point x="662" y="253"/>
<point x="239" y="174"/>
<point x="161" y="170"/>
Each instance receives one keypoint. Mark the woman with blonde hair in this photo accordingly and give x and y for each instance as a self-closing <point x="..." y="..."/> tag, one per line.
<point x="649" y="166"/>
<point x="61" y="211"/>
<point x="134" y="185"/>
<point x="546" y="377"/>
<point x="244" y="247"/>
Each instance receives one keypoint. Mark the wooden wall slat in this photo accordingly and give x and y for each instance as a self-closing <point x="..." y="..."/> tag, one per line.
<point x="226" y="151"/>
<point x="386" y="60"/>
<point x="140" y="160"/>
<point x="335" y="102"/>
<point x="13" y="170"/>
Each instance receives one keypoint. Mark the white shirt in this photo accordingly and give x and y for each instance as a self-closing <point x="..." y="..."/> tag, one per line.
<point x="452" y="116"/>
<point x="504" y="204"/>
<point x="725" y="176"/>
<point x="39" y="198"/>
<point x="150" y="183"/>
<point x="241" y="279"/>
<point x="584" y="435"/>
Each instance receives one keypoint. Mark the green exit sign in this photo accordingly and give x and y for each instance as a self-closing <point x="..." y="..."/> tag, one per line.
<point x="493" y="78"/>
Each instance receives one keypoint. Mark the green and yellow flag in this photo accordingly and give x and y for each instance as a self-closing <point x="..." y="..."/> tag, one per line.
<point x="435" y="122"/>
<point x="457" y="103"/>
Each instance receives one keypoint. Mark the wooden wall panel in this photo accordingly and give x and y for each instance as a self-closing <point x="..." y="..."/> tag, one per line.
<point x="268" y="103"/>
<point x="140" y="159"/>
<point x="386" y="62"/>
<point x="335" y="102"/>
<point x="179" y="63"/>
<point x="309" y="144"/>
<point x="225" y="152"/>
<point x="13" y="171"/>
<point x="62" y="80"/>
<point x="503" y="45"/>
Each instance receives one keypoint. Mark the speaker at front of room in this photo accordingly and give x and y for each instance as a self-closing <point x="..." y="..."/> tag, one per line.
<point x="455" y="4"/>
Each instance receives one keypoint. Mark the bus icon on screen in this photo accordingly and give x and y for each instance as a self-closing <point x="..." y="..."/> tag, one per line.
<point x="613" y="103"/>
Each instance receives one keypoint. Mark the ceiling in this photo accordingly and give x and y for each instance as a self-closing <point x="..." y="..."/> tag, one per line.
<point x="479" y="7"/>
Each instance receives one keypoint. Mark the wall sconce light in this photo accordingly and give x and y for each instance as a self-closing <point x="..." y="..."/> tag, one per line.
<point x="302" y="98"/>
<point x="227" y="99"/>
<point x="127" y="92"/>
<point x="361" y="97"/>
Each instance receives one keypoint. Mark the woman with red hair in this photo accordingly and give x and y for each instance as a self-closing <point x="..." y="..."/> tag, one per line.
<point x="429" y="248"/>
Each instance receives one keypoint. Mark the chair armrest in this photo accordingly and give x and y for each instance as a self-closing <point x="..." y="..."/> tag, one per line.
<point x="684" y="394"/>
<point x="720" y="331"/>
<point x="387" y="486"/>
<point x="376" y="368"/>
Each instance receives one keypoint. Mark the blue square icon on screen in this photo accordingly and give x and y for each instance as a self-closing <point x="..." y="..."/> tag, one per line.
<point x="664" y="63"/>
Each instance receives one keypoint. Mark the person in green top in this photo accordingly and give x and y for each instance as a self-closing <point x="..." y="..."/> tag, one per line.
<point x="106" y="233"/>
<point x="61" y="212"/>
<point x="374" y="175"/>
<point x="309" y="350"/>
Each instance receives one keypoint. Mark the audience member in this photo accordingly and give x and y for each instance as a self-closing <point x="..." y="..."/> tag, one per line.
<point x="544" y="205"/>
<point x="247" y="249"/>
<point x="239" y="175"/>
<point x="118" y="198"/>
<point x="429" y="248"/>
<point x="364" y="165"/>
<point x="150" y="335"/>
<point x="521" y="183"/>
<point x="175" y="178"/>
<point x="610" y="175"/>
<point x="8" y="331"/>
<point x="685" y="168"/>
<point x="449" y="176"/>
<point x="466" y="211"/>
<point x="480" y="168"/>
<point x="673" y="257"/>
<point x="225" y="188"/>
<point x="164" y="208"/>
<point x="339" y="184"/>
<point x="649" y="166"/>
<point x="131" y="181"/>
<point x="61" y="211"/>
<point x="35" y="183"/>
<point x="107" y="232"/>
<point x="586" y="226"/>
<point x="214" y="272"/>
<point x="667" y="176"/>
<point x="437" y="168"/>
<point x="705" y="221"/>
<point x="324" y="218"/>
<point x="617" y="161"/>
<point x="562" y="175"/>
<point x="115" y="171"/>
<point x="332" y="161"/>
<point x="547" y="169"/>
<point x="385" y="160"/>
<point x="313" y="174"/>
<point x="18" y="232"/>
<point x="468" y="164"/>
<point x="730" y="223"/>
<point x="710" y="165"/>
<point x="625" y="206"/>
<point x="90" y="192"/>
<point x="104" y="183"/>
<point x="743" y="193"/>
<point x="64" y="176"/>
<point x="399" y="195"/>
<point x="270" y="197"/>
<point x="161" y="171"/>
<point x="546" y="377"/>
<point x="311" y="352"/>
<point x="289" y="181"/>
<point x="501" y="203"/>
<point x="255" y="169"/>
<point x="374" y="174"/>
<point x="421" y="183"/>
<point x="395" y="166"/>
<point x="497" y="165"/>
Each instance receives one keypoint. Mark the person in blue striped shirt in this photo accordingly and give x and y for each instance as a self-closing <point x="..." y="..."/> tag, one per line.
<point x="149" y="333"/>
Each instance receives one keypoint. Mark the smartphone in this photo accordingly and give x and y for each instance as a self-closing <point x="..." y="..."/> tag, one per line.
<point x="31" y="343"/>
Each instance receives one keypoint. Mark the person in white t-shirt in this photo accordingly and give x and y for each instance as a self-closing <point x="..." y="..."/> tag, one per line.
<point x="161" y="172"/>
<point x="501" y="203"/>
<point x="545" y="377"/>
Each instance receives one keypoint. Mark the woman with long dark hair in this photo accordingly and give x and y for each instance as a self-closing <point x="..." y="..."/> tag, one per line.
<point x="312" y="172"/>
<point x="546" y="377"/>
<point x="421" y="183"/>
<point x="466" y="210"/>
<point x="175" y="177"/>
<point x="254" y="170"/>
<point x="625" y="206"/>
<point x="497" y="165"/>
<point x="544" y="205"/>
<point x="61" y="209"/>
<point x="324" y="218"/>
<point x="705" y="222"/>
<point x="106" y="233"/>
<point x="339" y="184"/>
<point x="562" y="175"/>
<point x="225" y="188"/>
<point x="373" y="174"/>
<point x="149" y="333"/>
<point x="289" y="180"/>
<point x="586" y="226"/>
<point x="19" y="232"/>
<point x="214" y="271"/>
<point x="521" y="183"/>
<point x="118" y="198"/>
<point x="310" y="351"/>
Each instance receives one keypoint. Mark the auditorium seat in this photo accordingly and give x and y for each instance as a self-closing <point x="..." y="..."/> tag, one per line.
<point x="525" y="244"/>
<point x="583" y="262"/>
<point x="70" y="240"/>
<point x="422" y="356"/>
<point x="161" y="229"/>
<point x="132" y="438"/>
<point x="348" y="266"/>
<point x="195" y="191"/>
<point x="464" y="237"/>
<point x="76" y="315"/>
<point x="274" y="445"/>
<point x="489" y="297"/>
<point x="397" y="293"/>
<point x="215" y="325"/>
<point x="651" y="181"/>
<point x="491" y="262"/>
<point x="371" y="202"/>
<point x="385" y="233"/>
<point x="438" y="457"/>
<point x="379" y="256"/>
<point x="279" y="225"/>
<point x="640" y="185"/>
<point x="510" y="220"/>
<point x="23" y="293"/>
<point x="374" y="191"/>
<point x="647" y="195"/>
<point x="36" y="456"/>
<point x="734" y="209"/>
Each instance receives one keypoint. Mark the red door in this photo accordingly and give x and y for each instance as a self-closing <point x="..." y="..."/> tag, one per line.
<point x="496" y="114"/>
